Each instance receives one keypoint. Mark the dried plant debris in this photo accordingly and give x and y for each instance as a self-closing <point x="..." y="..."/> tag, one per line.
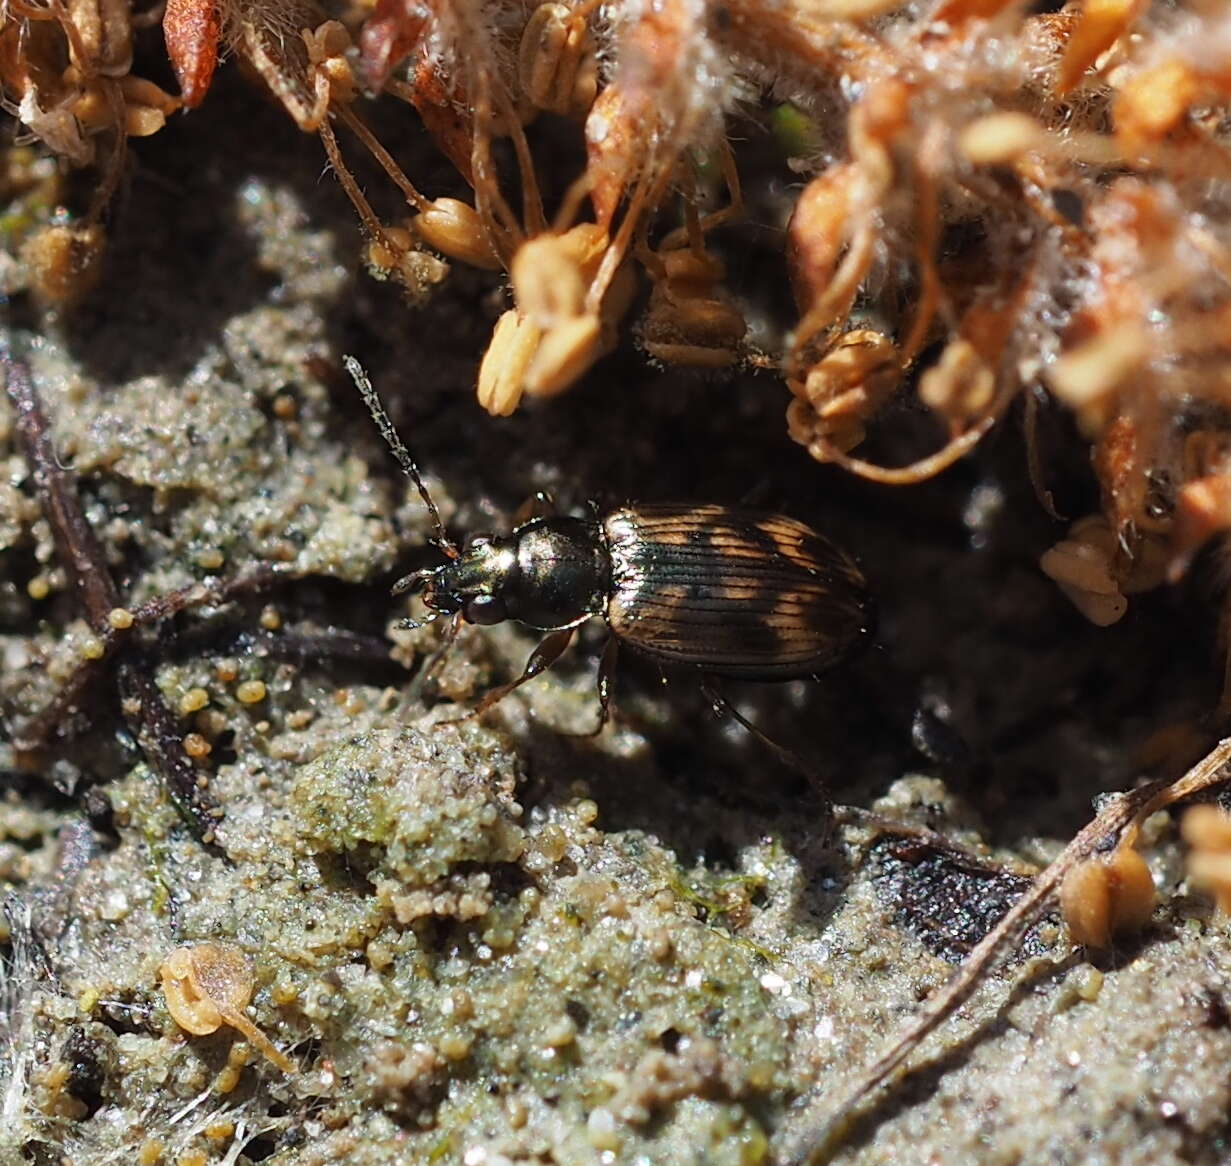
<point x="412" y="942"/>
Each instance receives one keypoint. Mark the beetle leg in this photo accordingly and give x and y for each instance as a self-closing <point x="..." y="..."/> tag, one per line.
<point x="606" y="681"/>
<point x="542" y="658"/>
<point x="437" y="657"/>
<point x="540" y="504"/>
<point x="787" y="756"/>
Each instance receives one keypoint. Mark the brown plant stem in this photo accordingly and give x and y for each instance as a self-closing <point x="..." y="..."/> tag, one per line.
<point x="150" y="721"/>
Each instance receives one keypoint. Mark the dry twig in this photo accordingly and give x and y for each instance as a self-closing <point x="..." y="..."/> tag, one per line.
<point x="1115" y="823"/>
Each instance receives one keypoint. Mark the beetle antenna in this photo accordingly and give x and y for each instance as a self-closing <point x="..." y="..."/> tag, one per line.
<point x="399" y="450"/>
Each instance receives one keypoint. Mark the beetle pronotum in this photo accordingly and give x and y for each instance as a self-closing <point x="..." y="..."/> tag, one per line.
<point x="723" y="591"/>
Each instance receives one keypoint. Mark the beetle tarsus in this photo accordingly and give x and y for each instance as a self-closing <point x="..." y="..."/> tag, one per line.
<point x="606" y="683"/>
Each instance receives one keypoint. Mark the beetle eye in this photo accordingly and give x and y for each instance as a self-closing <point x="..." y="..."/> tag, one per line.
<point x="485" y="609"/>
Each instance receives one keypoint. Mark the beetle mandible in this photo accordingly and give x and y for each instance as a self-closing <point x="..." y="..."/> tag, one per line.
<point x="724" y="591"/>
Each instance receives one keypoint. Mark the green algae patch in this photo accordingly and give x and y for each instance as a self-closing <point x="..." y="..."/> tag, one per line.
<point x="565" y="1005"/>
<point x="415" y="806"/>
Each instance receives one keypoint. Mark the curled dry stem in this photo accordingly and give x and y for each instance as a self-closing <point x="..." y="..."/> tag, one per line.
<point x="647" y="194"/>
<point x="698" y="226"/>
<point x="927" y="220"/>
<point x="151" y="722"/>
<point x="372" y="144"/>
<point x="1115" y="825"/>
<point x="954" y="450"/>
<point x="491" y="101"/>
<point x="371" y="223"/>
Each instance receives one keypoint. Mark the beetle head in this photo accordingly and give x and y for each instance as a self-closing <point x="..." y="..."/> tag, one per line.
<point x="474" y="583"/>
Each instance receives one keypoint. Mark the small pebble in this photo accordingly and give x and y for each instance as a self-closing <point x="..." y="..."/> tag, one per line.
<point x="193" y="701"/>
<point x="454" y="1047"/>
<point x="250" y="692"/>
<point x="601" y="1130"/>
<point x="1088" y="983"/>
<point x="197" y="746"/>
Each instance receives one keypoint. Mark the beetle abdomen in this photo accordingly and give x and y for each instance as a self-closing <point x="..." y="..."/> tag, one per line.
<point x="733" y="592"/>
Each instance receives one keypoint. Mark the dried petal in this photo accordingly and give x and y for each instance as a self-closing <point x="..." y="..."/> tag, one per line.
<point x="191" y="29"/>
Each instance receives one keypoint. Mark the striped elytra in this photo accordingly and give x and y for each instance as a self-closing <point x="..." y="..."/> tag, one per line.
<point x="732" y="592"/>
<point x="722" y="590"/>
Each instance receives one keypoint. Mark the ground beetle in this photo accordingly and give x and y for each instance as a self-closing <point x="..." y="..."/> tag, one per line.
<point x="720" y="590"/>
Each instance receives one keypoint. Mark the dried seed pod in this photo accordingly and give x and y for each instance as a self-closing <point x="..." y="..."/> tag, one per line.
<point x="65" y="71"/>
<point x="333" y="80"/>
<point x="564" y="354"/>
<point x="1083" y="566"/>
<point x="556" y="65"/>
<point x="691" y="320"/>
<point x="1096" y="572"/>
<point x="1154" y="102"/>
<point x="146" y="106"/>
<point x="1202" y="510"/>
<point x="1107" y="896"/>
<point x="394" y="254"/>
<point x="502" y="374"/>
<point x="1000" y="138"/>
<point x="842" y="391"/>
<point x="207" y="985"/>
<point x="1207" y="830"/>
<point x="836" y="224"/>
<point x="553" y="335"/>
<point x="32" y="58"/>
<point x="551" y="273"/>
<point x="1086" y="377"/>
<point x="960" y="386"/>
<point x="64" y="262"/>
<point x="454" y="228"/>
<point x="102" y="36"/>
